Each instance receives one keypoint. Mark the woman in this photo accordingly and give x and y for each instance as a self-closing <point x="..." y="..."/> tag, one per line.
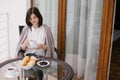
<point x="36" y="38"/>
<point x="36" y="33"/>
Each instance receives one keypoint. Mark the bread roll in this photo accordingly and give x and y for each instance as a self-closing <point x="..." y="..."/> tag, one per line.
<point x="31" y="63"/>
<point x="26" y="58"/>
<point x="25" y="61"/>
<point x="33" y="58"/>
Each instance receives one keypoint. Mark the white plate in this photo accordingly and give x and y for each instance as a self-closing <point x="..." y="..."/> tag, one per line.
<point x="11" y="75"/>
<point x="25" y="67"/>
<point x="43" y="65"/>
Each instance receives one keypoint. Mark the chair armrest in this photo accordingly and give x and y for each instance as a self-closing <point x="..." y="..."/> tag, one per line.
<point x="57" y="52"/>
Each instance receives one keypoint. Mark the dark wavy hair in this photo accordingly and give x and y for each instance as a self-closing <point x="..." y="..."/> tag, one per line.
<point x="35" y="11"/>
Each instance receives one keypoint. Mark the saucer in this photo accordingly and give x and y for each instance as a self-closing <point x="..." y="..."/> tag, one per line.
<point x="11" y="75"/>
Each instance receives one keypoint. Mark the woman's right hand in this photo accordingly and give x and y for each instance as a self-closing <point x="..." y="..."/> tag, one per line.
<point x="25" y="44"/>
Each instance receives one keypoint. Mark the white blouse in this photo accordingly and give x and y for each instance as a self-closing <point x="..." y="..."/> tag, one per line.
<point x="38" y="36"/>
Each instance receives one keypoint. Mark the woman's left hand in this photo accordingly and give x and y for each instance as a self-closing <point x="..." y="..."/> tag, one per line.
<point x="41" y="46"/>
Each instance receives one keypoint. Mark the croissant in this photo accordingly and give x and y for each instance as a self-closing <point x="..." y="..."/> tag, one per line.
<point x="31" y="63"/>
<point x="32" y="58"/>
<point x="26" y="58"/>
<point x="25" y="61"/>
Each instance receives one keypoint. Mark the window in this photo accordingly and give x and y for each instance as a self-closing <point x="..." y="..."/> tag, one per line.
<point x="4" y="38"/>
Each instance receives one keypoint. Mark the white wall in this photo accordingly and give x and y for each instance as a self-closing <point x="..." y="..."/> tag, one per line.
<point x="16" y="10"/>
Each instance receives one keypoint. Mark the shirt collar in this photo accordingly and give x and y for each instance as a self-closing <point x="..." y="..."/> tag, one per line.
<point x="33" y="29"/>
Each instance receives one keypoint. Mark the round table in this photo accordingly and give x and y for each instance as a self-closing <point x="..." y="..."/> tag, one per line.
<point x="52" y="71"/>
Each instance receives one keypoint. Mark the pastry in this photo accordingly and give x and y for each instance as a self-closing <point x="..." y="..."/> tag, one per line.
<point x="26" y="58"/>
<point x="25" y="61"/>
<point x="31" y="63"/>
<point x="33" y="58"/>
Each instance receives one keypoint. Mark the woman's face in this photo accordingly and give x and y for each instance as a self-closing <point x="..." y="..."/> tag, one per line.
<point x="34" y="20"/>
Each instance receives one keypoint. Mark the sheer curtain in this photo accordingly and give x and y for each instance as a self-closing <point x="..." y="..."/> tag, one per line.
<point x="49" y="11"/>
<point x="83" y="36"/>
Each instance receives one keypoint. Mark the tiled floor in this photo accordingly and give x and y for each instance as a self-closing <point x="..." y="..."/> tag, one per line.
<point x="75" y="77"/>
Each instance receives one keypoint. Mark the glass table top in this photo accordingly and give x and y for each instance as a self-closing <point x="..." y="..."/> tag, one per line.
<point x="52" y="69"/>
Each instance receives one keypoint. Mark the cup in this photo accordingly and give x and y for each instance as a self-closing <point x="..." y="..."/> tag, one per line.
<point x="11" y="71"/>
<point x="32" y="43"/>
